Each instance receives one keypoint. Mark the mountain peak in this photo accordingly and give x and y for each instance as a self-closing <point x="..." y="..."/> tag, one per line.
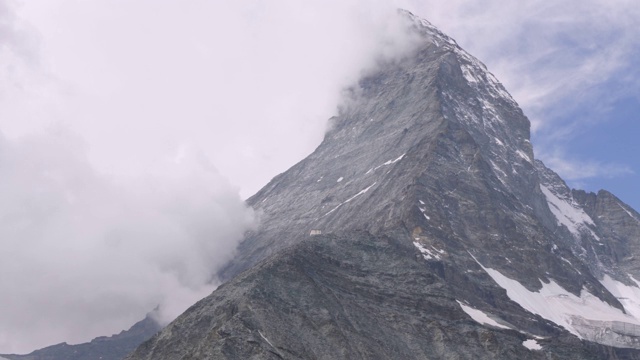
<point x="424" y="190"/>
<point x="437" y="102"/>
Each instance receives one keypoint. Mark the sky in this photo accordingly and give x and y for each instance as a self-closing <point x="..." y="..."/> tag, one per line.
<point x="131" y="131"/>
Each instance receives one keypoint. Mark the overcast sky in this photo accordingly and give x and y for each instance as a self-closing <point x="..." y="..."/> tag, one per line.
<point x="130" y="131"/>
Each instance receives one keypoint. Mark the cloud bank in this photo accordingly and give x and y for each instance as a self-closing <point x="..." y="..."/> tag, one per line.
<point x="184" y="73"/>
<point x="87" y="256"/>
<point x="114" y="122"/>
<point x="236" y="78"/>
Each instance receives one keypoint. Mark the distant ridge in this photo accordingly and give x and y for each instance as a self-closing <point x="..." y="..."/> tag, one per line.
<point x="105" y="348"/>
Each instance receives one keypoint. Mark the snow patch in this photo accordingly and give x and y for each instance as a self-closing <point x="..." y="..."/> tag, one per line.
<point x="422" y="211"/>
<point x="531" y="344"/>
<point x="360" y="193"/>
<point x="523" y="155"/>
<point x="426" y="253"/>
<point x="265" y="339"/>
<point x="394" y="161"/>
<point x="501" y="174"/>
<point x="490" y="110"/>
<point x="628" y="212"/>
<point x="629" y="296"/>
<point x="468" y="74"/>
<point x="556" y="304"/>
<point x="480" y="317"/>
<point x="386" y="163"/>
<point x="568" y="213"/>
<point x="351" y="198"/>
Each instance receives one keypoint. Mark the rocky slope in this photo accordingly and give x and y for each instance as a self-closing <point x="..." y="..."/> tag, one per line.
<point x="353" y="296"/>
<point x="422" y="227"/>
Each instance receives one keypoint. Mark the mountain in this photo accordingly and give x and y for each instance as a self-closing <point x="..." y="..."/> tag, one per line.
<point x="105" y="348"/>
<point x="422" y="227"/>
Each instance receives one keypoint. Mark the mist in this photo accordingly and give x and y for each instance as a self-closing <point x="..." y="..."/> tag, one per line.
<point x="131" y="132"/>
<point x="87" y="256"/>
<point x="230" y="78"/>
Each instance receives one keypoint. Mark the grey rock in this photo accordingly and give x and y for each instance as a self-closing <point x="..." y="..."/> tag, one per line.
<point x="619" y="227"/>
<point x="370" y="247"/>
<point x="351" y="295"/>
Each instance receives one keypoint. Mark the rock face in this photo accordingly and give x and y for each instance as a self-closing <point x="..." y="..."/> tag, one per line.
<point x="106" y="348"/>
<point x="347" y="295"/>
<point x="422" y="227"/>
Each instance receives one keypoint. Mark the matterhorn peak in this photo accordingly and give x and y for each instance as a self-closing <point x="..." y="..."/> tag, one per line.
<point x="425" y="206"/>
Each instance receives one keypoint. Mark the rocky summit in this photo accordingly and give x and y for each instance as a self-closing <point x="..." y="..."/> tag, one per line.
<point x="423" y="227"/>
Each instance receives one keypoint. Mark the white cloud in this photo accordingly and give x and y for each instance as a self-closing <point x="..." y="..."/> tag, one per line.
<point x="87" y="256"/>
<point x="249" y="83"/>
<point x="572" y="169"/>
